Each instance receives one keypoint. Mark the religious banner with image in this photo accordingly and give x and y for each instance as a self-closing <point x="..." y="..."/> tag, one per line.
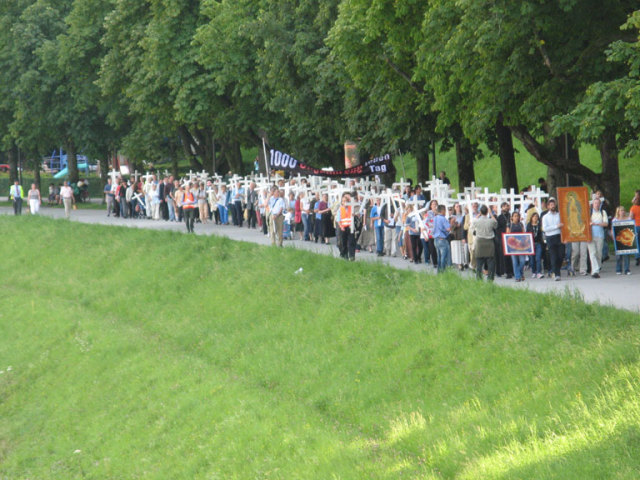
<point x="575" y="214"/>
<point x="518" y="244"/>
<point x="375" y="166"/>
<point x="351" y="154"/>
<point x="625" y="238"/>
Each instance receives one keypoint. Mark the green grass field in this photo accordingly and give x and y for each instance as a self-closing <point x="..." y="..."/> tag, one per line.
<point x="128" y="354"/>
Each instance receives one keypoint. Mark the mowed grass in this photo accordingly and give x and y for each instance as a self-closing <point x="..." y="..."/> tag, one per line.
<point x="131" y="354"/>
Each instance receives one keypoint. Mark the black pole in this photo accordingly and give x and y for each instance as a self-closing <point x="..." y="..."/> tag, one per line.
<point x="433" y="157"/>
<point x="19" y="166"/>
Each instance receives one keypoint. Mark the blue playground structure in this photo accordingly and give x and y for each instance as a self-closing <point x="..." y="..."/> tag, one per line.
<point x="58" y="162"/>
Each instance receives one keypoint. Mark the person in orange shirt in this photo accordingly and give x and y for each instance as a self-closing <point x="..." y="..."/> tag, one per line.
<point x="188" y="203"/>
<point x="346" y="236"/>
<point x="635" y="215"/>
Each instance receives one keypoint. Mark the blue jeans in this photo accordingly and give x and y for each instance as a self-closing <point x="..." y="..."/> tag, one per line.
<point x="305" y="223"/>
<point x="425" y="250"/>
<point x="605" y="247"/>
<point x="172" y="209"/>
<point x="620" y="259"/>
<point x="442" y="246"/>
<point x="518" y="264"/>
<point x="379" y="238"/>
<point x="536" y="260"/>
<point x="224" y="214"/>
<point x="123" y="208"/>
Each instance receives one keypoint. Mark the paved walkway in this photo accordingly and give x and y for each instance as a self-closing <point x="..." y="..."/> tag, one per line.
<point x="621" y="291"/>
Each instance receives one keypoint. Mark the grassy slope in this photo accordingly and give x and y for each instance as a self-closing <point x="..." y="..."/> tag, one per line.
<point x="487" y="169"/>
<point x="160" y="355"/>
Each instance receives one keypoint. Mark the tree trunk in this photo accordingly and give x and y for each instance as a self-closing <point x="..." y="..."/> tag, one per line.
<point x="174" y="162"/>
<point x="558" y="176"/>
<point x="507" y="156"/>
<point x="610" y="178"/>
<point x="104" y="169"/>
<point x="569" y="162"/>
<point x="72" y="163"/>
<point x="12" y="157"/>
<point x="262" y="161"/>
<point x="422" y="165"/>
<point x="571" y="156"/>
<point x="233" y="156"/>
<point x="421" y="148"/>
<point x="555" y="178"/>
<point x="37" y="164"/>
<point x="465" y="158"/>
<point x="554" y="157"/>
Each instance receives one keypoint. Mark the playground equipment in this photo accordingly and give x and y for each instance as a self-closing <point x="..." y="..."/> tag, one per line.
<point x="57" y="162"/>
<point x="82" y="167"/>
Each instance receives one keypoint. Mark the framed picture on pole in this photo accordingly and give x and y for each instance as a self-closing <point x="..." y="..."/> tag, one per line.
<point x="575" y="214"/>
<point x="625" y="238"/>
<point x="518" y="244"/>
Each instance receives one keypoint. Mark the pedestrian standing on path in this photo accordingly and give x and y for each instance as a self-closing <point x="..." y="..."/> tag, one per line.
<point x="16" y="194"/>
<point x="34" y="199"/>
<point x="188" y="203"/>
<point x="551" y="225"/>
<point x="483" y="229"/>
<point x="66" y="194"/>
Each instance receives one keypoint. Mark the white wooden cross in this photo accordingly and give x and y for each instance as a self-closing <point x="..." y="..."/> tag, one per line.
<point x="473" y="191"/>
<point x="417" y="204"/>
<point x="114" y="175"/>
<point x="439" y="190"/>
<point x="512" y="198"/>
<point x="263" y="184"/>
<point x="335" y="193"/>
<point x="536" y="195"/>
<point x="142" y="204"/>
<point x="400" y="185"/>
<point x="314" y="181"/>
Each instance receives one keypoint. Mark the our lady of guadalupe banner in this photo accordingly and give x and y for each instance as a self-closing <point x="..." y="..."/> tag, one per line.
<point x="573" y="205"/>
<point x="375" y="166"/>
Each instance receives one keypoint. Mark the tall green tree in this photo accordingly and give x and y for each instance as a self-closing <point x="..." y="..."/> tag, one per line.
<point x="523" y="63"/>
<point x="79" y="56"/>
<point x="384" y="105"/>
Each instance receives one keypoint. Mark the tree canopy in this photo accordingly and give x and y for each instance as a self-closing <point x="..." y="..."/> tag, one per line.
<point x="202" y="79"/>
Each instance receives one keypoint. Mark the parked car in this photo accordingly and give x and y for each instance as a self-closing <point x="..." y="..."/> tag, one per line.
<point x="4" y="167"/>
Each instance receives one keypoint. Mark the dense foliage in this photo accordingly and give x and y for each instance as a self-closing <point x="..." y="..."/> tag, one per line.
<point x="202" y="79"/>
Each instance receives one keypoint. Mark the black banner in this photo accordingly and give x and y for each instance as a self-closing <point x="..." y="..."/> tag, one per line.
<point x="375" y="166"/>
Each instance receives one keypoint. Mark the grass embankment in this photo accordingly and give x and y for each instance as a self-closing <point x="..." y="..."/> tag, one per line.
<point x="137" y="354"/>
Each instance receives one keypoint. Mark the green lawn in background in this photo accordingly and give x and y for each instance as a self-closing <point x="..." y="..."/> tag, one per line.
<point x="487" y="169"/>
<point x="129" y="353"/>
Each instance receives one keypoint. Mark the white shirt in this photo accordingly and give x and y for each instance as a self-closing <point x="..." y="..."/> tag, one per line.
<point x="550" y="223"/>
<point x="278" y="206"/>
<point x="66" y="192"/>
